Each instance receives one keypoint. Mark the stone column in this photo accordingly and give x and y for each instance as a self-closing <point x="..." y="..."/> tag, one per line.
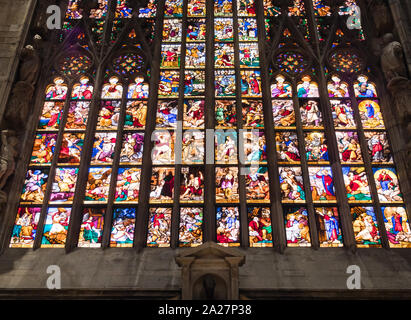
<point x="400" y="11"/>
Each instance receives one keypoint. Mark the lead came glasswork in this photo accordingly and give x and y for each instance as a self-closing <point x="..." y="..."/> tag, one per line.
<point x="310" y="135"/>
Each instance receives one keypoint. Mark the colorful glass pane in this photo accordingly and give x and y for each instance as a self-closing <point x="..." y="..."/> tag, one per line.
<point x="163" y="150"/>
<point x="251" y="83"/>
<point x="253" y="116"/>
<point x="387" y="184"/>
<point x="249" y="55"/>
<point x="247" y="29"/>
<point x="56" y="228"/>
<point x="227" y="185"/>
<point x="223" y="7"/>
<point x="64" y="185"/>
<point x="195" y="56"/>
<point x="291" y="62"/>
<point x="192" y="185"/>
<point x="366" y="229"/>
<point x="71" y="148"/>
<point x="224" y="55"/>
<point x="228" y="226"/>
<point x="167" y="114"/>
<point x="91" y="229"/>
<point x="193" y="114"/>
<point x="291" y="184"/>
<point x="364" y="89"/>
<point x="82" y="90"/>
<point x="112" y="90"/>
<point x="172" y="30"/>
<point x="257" y="185"/>
<point x="322" y="184"/>
<point x="193" y="147"/>
<point x="225" y="84"/>
<point x="307" y="88"/>
<point x="356" y="184"/>
<point x="191" y="223"/>
<point x="132" y="149"/>
<point x="122" y="231"/>
<point x="370" y="113"/>
<point x="296" y="227"/>
<point x="311" y="117"/>
<point x="159" y="227"/>
<point x="316" y="147"/>
<point x="173" y="8"/>
<point x="138" y="89"/>
<point x="259" y="227"/>
<point x="43" y="150"/>
<point x="103" y="148"/>
<point x="287" y="147"/>
<point x="284" y="115"/>
<point x="226" y="150"/>
<point x="162" y="185"/>
<point x="57" y="91"/>
<point x="109" y="115"/>
<point x="196" y="8"/>
<point x="329" y="227"/>
<point x="223" y="29"/>
<point x="349" y="147"/>
<point x="281" y="89"/>
<point x="98" y="185"/>
<point x="337" y="89"/>
<point x="378" y="147"/>
<point x="34" y="186"/>
<point x="343" y="114"/>
<point x="136" y="114"/>
<point x="128" y="185"/>
<point x="397" y="226"/>
<point x="225" y="114"/>
<point x="25" y="227"/>
<point x="77" y="116"/>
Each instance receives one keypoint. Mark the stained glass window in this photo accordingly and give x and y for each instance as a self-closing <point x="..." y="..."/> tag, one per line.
<point x="248" y="123"/>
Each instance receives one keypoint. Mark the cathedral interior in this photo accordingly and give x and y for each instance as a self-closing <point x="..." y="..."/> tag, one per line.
<point x="205" y="149"/>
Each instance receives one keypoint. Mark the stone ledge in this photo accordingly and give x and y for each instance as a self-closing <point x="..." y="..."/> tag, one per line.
<point x="74" y="294"/>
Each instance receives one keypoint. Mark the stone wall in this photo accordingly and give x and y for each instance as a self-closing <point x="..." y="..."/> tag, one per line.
<point x="14" y="17"/>
<point x="155" y="269"/>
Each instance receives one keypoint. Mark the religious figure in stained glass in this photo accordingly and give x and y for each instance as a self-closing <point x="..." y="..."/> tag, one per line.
<point x="296" y="227"/>
<point x="259" y="227"/>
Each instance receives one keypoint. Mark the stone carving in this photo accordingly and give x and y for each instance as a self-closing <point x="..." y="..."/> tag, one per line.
<point x="210" y="271"/>
<point x="400" y="88"/>
<point x="17" y="112"/>
<point x="8" y="156"/>
<point x="381" y="16"/>
<point x="392" y="58"/>
<point x="19" y="104"/>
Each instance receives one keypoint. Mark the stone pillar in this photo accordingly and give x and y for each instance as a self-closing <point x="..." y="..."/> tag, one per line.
<point x="400" y="11"/>
<point x="210" y="272"/>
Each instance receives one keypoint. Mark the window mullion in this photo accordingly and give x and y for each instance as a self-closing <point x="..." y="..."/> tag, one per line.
<point x="140" y="237"/>
<point x="209" y="170"/>
<point x="277" y="218"/>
